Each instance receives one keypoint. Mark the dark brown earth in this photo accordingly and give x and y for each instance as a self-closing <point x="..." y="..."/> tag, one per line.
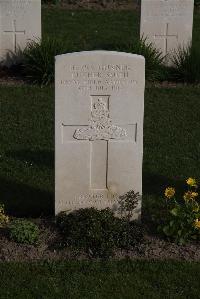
<point x="50" y="241"/>
<point x="10" y="77"/>
<point x="99" y="4"/>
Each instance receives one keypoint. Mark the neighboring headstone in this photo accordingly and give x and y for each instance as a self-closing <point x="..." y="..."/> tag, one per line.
<point x="167" y="23"/>
<point x="20" y="22"/>
<point x="98" y="128"/>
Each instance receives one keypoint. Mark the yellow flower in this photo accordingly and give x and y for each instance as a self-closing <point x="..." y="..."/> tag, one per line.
<point x="196" y="207"/>
<point x="1" y="210"/>
<point x="191" y="182"/>
<point x="3" y="219"/>
<point x="194" y="194"/>
<point x="189" y="195"/>
<point x="197" y="223"/>
<point x="169" y="192"/>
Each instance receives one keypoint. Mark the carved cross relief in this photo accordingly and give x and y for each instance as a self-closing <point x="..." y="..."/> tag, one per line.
<point x="99" y="132"/>
<point x="166" y="36"/>
<point x="15" y="32"/>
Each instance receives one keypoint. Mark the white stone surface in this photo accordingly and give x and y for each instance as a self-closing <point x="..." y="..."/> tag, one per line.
<point x="98" y="128"/>
<point x="167" y="23"/>
<point x="20" y="22"/>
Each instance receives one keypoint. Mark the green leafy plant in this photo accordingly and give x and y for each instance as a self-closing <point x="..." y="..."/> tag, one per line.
<point x="182" y="221"/>
<point x="153" y="57"/>
<point x="4" y="219"/>
<point x="39" y="60"/>
<point x="186" y="64"/>
<point x="13" y="60"/>
<point x="24" y="231"/>
<point x="90" y="230"/>
<point x="127" y="204"/>
<point x="97" y="232"/>
<point x="126" y="208"/>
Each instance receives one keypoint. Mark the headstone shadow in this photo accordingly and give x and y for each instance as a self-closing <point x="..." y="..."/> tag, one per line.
<point x="21" y="200"/>
<point x="38" y="157"/>
<point x="155" y="184"/>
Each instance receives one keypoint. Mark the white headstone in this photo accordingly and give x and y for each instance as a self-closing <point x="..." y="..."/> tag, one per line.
<point x="167" y="23"/>
<point x="98" y="128"/>
<point x="20" y="22"/>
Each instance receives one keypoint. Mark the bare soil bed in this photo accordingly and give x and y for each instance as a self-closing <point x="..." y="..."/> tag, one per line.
<point x="99" y="4"/>
<point x="10" y="77"/>
<point x="50" y="247"/>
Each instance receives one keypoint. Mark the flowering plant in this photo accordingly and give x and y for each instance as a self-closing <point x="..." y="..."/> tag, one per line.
<point x="183" y="215"/>
<point x="4" y="219"/>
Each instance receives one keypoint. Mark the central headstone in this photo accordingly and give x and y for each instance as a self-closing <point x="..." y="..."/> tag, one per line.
<point x="99" y="128"/>
<point x="167" y="23"/>
<point x="20" y="22"/>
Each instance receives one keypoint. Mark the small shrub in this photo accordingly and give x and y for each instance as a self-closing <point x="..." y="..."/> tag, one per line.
<point x="182" y="221"/>
<point x="97" y="232"/>
<point x="13" y="60"/>
<point x="4" y="219"/>
<point x="127" y="204"/>
<point x="186" y="61"/>
<point x="90" y="230"/>
<point x="153" y="57"/>
<point x="39" y="60"/>
<point x="129" y="233"/>
<point x="24" y="231"/>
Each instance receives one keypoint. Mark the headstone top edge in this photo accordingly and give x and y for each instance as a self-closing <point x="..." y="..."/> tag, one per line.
<point x="39" y="1"/>
<point x="100" y="52"/>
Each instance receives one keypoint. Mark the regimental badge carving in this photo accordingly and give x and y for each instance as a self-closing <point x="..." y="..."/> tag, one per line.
<point x="100" y="125"/>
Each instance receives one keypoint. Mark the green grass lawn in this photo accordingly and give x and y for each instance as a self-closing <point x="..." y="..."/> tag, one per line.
<point x="94" y="280"/>
<point x="27" y="150"/>
<point x="88" y="30"/>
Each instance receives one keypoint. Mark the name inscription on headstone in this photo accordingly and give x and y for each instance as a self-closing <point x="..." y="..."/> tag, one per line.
<point x="179" y="9"/>
<point x="95" y="78"/>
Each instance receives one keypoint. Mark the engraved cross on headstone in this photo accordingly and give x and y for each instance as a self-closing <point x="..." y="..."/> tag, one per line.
<point x="100" y="132"/>
<point x="166" y="36"/>
<point x="15" y="32"/>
